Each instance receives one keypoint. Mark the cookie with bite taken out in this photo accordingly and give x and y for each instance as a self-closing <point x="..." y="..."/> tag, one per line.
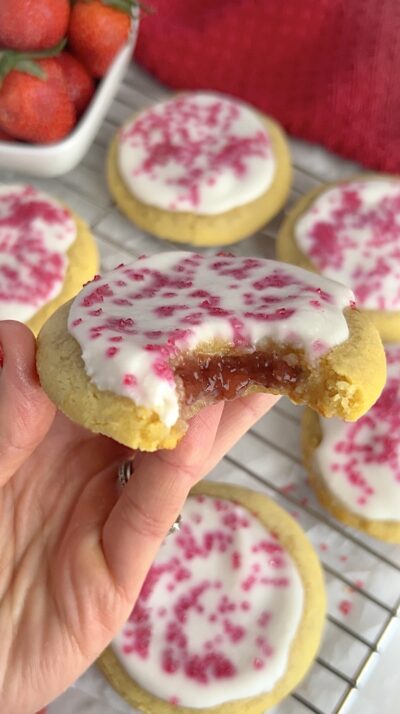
<point x="143" y="348"/>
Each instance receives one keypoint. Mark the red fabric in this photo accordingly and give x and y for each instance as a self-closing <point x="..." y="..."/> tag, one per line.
<point x="327" y="70"/>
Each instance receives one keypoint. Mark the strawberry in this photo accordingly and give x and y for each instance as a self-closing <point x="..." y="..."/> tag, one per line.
<point x="34" y="101"/>
<point x="97" y="31"/>
<point x="5" y="137"/>
<point x="33" y="24"/>
<point x="80" y="84"/>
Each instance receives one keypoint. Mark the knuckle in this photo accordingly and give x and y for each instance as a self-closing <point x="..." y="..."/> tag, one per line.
<point x="180" y="470"/>
<point x="140" y="521"/>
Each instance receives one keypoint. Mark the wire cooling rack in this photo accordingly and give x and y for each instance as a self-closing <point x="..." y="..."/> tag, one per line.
<point x="362" y="575"/>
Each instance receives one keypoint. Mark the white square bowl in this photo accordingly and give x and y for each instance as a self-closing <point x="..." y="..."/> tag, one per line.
<point x="56" y="159"/>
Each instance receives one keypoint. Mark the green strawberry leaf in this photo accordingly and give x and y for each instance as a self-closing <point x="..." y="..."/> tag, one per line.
<point x="32" y="68"/>
<point x="123" y="5"/>
<point x="25" y="61"/>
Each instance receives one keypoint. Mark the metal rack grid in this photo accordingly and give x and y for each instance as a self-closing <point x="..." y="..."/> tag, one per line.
<point x="362" y="575"/>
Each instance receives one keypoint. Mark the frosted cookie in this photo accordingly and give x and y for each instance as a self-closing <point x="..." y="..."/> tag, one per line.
<point x="350" y="232"/>
<point x="46" y="254"/>
<point x="143" y="348"/>
<point x="230" y="616"/>
<point x="201" y="168"/>
<point x="355" y="468"/>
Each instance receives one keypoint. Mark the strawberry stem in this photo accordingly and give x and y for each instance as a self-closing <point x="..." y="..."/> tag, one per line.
<point x="26" y="61"/>
<point x="123" y="5"/>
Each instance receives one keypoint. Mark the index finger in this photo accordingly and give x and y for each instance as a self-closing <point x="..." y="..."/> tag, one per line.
<point x="153" y="499"/>
<point x="26" y="413"/>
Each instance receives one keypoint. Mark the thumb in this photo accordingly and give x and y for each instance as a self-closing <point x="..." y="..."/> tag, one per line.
<point x="25" y="411"/>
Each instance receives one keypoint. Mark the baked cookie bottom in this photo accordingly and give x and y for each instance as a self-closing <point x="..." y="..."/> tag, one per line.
<point x="200" y="230"/>
<point x="306" y="641"/>
<point x="339" y="384"/>
<point x="287" y="250"/>
<point x="83" y="264"/>
<point x="311" y="437"/>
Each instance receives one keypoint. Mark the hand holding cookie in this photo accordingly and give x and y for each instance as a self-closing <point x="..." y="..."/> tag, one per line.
<point x="75" y="550"/>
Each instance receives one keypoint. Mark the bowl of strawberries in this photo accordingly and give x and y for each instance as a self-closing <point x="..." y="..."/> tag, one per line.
<point x="61" y="63"/>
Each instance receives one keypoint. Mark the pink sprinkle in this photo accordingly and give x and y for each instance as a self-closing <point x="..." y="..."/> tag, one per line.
<point x="122" y="301"/>
<point x="258" y="663"/>
<point x="345" y="607"/>
<point x="264" y="619"/>
<point x="112" y="351"/>
<point x="249" y="583"/>
<point x="169" y="663"/>
<point x="162" y="370"/>
<point x="130" y="380"/>
<point x="288" y="488"/>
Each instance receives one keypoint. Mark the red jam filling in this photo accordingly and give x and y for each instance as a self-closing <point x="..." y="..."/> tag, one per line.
<point x="216" y="377"/>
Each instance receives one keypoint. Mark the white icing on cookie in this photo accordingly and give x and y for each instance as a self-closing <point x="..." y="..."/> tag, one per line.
<point x="203" y="153"/>
<point x="218" y="612"/>
<point x="351" y="233"/>
<point x="132" y="322"/>
<point x="35" y="233"/>
<point x="360" y="462"/>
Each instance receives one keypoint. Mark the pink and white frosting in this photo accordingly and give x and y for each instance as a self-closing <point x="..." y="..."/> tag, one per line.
<point x="202" y="153"/>
<point x="360" y="462"/>
<point x="351" y="233"/>
<point x="218" y="612"/>
<point x="133" y="321"/>
<point x="35" y="234"/>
